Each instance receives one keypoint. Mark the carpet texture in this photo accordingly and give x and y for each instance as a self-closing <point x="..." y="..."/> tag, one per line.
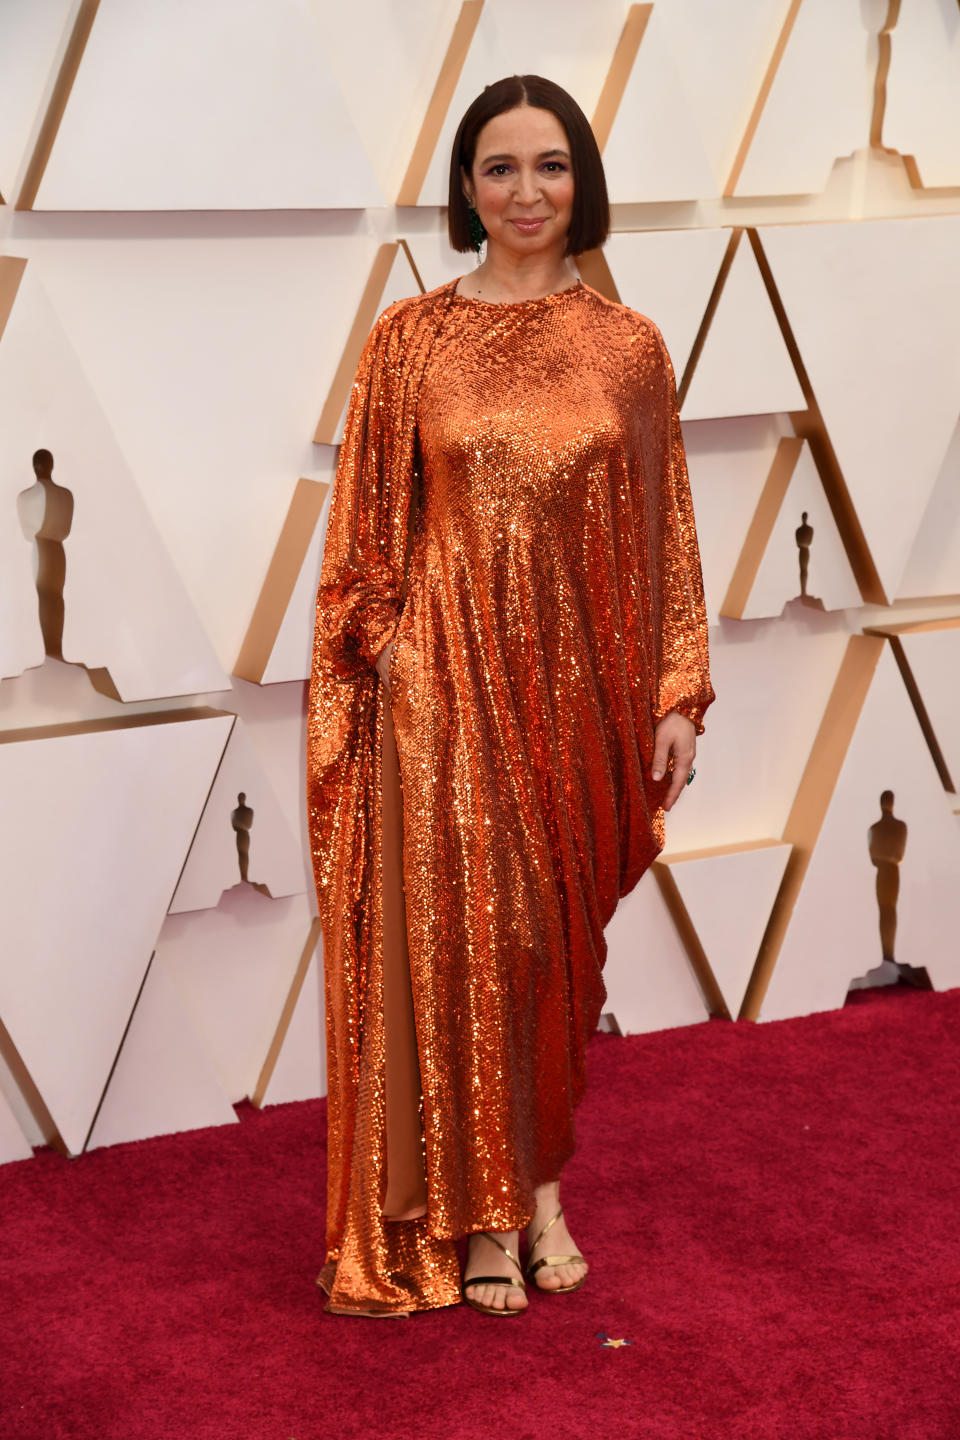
<point x="771" y="1213"/>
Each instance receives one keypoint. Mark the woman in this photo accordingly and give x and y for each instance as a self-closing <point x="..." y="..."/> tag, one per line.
<point x="510" y="670"/>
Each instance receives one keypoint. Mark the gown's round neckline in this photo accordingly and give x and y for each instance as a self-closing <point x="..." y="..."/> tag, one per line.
<point x="552" y="296"/>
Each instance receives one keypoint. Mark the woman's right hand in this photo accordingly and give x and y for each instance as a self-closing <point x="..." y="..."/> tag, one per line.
<point x="382" y="665"/>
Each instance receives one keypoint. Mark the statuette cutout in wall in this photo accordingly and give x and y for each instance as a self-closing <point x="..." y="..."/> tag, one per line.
<point x="887" y="842"/>
<point x="242" y="821"/>
<point x="55" y="505"/>
<point x="804" y="539"/>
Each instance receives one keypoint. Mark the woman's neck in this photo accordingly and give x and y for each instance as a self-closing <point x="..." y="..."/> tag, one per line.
<point x="506" y="277"/>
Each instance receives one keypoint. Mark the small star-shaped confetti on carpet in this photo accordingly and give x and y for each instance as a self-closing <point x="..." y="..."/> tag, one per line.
<point x="606" y="1343"/>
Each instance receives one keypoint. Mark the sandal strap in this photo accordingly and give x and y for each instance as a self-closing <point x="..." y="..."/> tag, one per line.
<point x="554" y="1260"/>
<point x="500" y="1245"/>
<point x="549" y="1225"/>
<point x="498" y="1279"/>
<point x="494" y="1280"/>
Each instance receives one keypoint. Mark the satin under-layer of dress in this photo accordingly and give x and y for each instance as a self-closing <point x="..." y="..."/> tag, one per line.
<point x="511" y="507"/>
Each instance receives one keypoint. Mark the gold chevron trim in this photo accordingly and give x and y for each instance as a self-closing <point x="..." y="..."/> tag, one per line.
<point x="443" y="90"/>
<point x="62" y="89"/>
<point x="729" y="190"/>
<point x="285" y="565"/>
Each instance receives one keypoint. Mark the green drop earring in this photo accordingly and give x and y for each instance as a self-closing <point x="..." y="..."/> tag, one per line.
<point x="477" y="233"/>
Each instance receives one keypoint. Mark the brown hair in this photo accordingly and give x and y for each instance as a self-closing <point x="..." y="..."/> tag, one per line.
<point x="590" y="220"/>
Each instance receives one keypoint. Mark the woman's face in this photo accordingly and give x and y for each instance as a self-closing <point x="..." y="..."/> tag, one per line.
<point x="521" y="184"/>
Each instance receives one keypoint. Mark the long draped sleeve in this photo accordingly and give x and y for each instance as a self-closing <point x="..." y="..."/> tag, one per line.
<point x="358" y="604"/>
<point x="359" y="593"/>
<point x="677" y="624"/>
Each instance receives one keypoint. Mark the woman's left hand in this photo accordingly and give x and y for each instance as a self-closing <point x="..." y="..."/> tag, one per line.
<point x="674" y="735"/>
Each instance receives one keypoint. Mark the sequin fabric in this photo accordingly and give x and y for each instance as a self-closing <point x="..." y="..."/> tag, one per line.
<point x="512" y="507"/>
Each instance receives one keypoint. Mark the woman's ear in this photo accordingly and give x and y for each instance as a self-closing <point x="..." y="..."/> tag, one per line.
<point x="465" y="186"/>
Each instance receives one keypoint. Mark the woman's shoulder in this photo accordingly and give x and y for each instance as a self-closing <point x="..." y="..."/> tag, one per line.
<point x="411" y="309"/>
<point x="635" y="324"/>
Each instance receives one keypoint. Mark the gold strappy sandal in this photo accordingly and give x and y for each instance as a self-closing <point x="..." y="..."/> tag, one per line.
<point x="534" y="1265"/>
<point x="495" y="1280"/>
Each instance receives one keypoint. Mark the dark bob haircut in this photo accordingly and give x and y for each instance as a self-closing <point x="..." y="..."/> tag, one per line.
<point x="590" y="220"/>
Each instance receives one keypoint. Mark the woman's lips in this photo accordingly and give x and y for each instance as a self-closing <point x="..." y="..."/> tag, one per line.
<point x="529" y="227"/>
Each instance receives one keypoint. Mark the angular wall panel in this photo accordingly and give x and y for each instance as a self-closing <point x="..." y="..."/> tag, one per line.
<point x="744" y="367"/>
<point x="163" y="1080"/>
<point x="233" y="967"/>
<point x="793" y="515"/>
<point x="98" y="818"/>
<point x="273" y="857"/>
<point x="124" y="605"/>
<point x="934" y="564"/>
<point x="728" y="893"/>
<point x="205" y="107"/>
<point x="278" y="645"/>
<point x="729" y="463"/>
<point x="875" y="310"/>
<point x="31" y="43"/>
<point x="14" y="1145"/>
<point x="295" y="1068"/>
<point x="670" y="163"/>
<point x="825" y="928"/>
<point x="650" y="985"/>
<point x="813" y="105"/>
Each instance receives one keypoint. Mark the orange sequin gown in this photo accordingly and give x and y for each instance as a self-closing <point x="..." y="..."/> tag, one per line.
<point x="512" y="505"/>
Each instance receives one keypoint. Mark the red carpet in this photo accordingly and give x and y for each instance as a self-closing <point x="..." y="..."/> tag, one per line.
<point x="772" y="1214"/>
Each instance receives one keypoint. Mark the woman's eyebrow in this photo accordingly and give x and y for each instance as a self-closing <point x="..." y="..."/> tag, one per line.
<point x="544" y="154"/>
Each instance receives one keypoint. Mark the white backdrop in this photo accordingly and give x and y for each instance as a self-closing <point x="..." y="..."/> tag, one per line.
<point x="198" y="194"/>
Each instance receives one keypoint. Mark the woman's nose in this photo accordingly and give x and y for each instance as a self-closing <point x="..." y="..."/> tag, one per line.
<point x="527" y="188"/>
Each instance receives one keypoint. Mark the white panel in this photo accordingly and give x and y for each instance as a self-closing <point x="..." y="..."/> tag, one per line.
<point x="213" y="864"/>
<point x="829" y="576"/>
<point x="650" y="985"/>
<point x="773" y="679"/>
<point x="934" y="564"/>
<point x="125" y="606"/>
<point x="834" y="931"/>
<point x="292" y="653"/>
<point x="13" y="1143"/>
<point x="32" y="37"/>
<point x="13" y="1099"/>
<point x="95" y="830"/>
<point x="729" y="899"/>
<point x="818" y="107"/>
<point x="728" y="461"/>
<point x="226" y="105"/>
<point x="875" y="308"/>
<point x="723" y="52"/>
<point x="300" y="1072"/>
<point x="163" y="1081"/>
<point x="233" y="967"/>
<point x="212" y="352"/>
<point x="668" y="275"/>
<point x="744" y="367"/>
<point x="386" y="58"/>
<point x="572" y="44"/>
<point x="669" y="162"/>
<point x="934" y="659"/>
<point x="922" y="114"/>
